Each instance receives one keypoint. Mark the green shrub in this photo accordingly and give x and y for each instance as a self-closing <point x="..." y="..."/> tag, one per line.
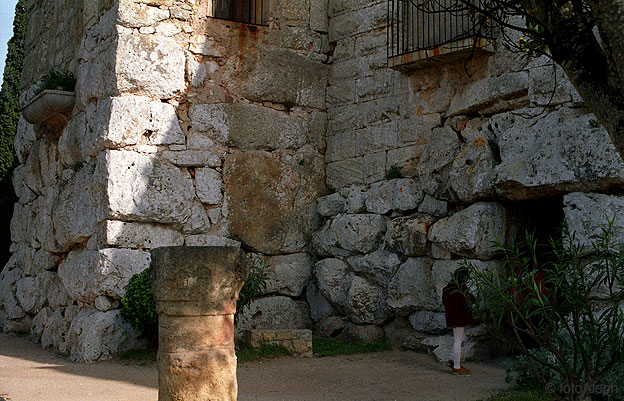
<point x="254" y="285"/>
<point x="58" y="79"/>
<point x="138" y="307"/>
<point x="394" y="172"/>
<point x="573" y="331"/>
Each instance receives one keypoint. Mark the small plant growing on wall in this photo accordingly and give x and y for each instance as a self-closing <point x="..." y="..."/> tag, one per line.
<point x="394" y="172"/>
<point x="58" y="80"/>
<point x="254" y="285"/>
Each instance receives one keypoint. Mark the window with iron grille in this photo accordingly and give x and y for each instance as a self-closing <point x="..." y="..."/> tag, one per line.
<point x="246" y="11"/>
<point x="415" y="25"/>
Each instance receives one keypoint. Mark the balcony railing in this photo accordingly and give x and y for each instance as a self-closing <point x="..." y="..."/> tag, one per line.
<point x="416" y="25"/>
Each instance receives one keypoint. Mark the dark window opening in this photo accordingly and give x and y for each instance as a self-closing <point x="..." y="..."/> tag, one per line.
<point x="246" y="11"/>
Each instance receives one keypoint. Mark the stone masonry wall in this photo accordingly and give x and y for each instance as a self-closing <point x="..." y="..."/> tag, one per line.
<point x="189" y="130"/>
<point x="476" y="141"/>
<point x="186" y="131"/>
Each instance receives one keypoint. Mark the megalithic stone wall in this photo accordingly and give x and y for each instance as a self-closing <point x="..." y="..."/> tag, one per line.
<point x="186" y="130"/>
<point x="196" y="289"/>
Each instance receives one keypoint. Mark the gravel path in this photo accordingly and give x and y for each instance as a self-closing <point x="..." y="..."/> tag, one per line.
<point x="29" y="373"/>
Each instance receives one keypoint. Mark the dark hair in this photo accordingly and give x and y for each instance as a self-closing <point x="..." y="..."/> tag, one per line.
<point x="460" y="276"/>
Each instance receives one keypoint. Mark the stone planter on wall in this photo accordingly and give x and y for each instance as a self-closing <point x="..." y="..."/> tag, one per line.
<point x="50" y="107"/>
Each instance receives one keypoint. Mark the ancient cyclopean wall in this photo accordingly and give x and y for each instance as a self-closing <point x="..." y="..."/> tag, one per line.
<point x="193" y="131"/>
<point x="485" y="148"/>
<point x="186" y="131"/>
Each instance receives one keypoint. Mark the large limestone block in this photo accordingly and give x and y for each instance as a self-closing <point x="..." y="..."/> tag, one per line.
<point x="128" y="120"/>
<point x="56" y="294"/>
<point x="271" y="199"/>
<point x="87" y="274"/>
<point x="138" y="235"/>
<point x="55" y="332"/>
<point x="249" y="126"/>
<point x="9" y="277"/>
<point x="136" y="15"/>
<point x="77" y="209"/>
<point x="95" y="336"/>
<point x="31" y="295"/>
<point x="274" y="313"/>
<point x="587" y="215"/>
<point x="23" y="225"/>
<point x="208" y="186"/>
<point x="436" y="163"/>
<point x="285" y="77"/>
<point x="39" y="323"/>
<point x="409" y="288"/>
<point x="366" y="303"/>
<point x="320" y="308"/>
<point x="400" y="194"/>
<point x="23" y="257"/>
<point x="25" y="194"/>
<point x="145" y="189"/>
<point x="334" y="280"/>
<point x="378" y="267"/>
<point x="24" y="138"/>
<point x="408" y="235"/>
<point x="546" y="79"/>
<point x="349" y="233"/>
<point x="473" y="231"/>
<point x="199" y="221"/>
<point x="492" y="94"/>
<point x="289" y="274"/>
<point x="428" y="321"/>
<point x="472" y="174"/>
<point x="149" y="65"/>
<point x="330" y="205"/>
<point x="565" y="151"/>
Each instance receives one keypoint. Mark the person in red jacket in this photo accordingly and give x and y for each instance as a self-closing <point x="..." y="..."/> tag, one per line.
<point x="458" y="315"/>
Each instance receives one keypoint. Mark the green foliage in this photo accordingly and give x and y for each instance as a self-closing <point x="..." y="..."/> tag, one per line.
<point x="322" y="346"/>
<point x="58" y="79"/>
<point x="9" y="116"/>
<point x="266" y="350"/>
<point x="138" y="307"/>
<point x="572" y="315"/>
<point x="393" y="172"/>
<point x="254" y="285"/>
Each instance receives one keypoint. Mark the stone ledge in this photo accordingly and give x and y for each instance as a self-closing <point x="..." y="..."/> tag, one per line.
<point x="298" y="342"/>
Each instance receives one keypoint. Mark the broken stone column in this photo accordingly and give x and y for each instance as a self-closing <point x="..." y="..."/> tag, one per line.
<point x="196" y="289"/>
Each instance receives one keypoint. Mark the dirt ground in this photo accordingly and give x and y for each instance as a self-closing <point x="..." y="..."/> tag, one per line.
<point x="29" y="373"/>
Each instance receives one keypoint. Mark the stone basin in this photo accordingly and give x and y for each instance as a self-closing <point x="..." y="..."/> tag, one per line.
<point x="50" y="107"/>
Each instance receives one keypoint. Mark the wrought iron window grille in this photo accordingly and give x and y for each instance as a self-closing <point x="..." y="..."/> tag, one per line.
<point x="255" y="12"/>
<point x="416" y="25"/>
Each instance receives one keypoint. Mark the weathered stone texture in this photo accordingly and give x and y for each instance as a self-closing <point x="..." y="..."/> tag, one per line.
<point x="250" y="126"/>
<point x="565" y="151"/>
<point x="86" y="274"/>
<point x="588" y="214"/>
<point x="149" y="65"/>
<point x="271" y="199"/>
<point x="408" y="235"/>
<point x="473" y="231"/>
<point x="278" y="312"/>
<point x="145" y="189"/>
<point x="289" y="274"/>
<point x="349" y="233"/>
